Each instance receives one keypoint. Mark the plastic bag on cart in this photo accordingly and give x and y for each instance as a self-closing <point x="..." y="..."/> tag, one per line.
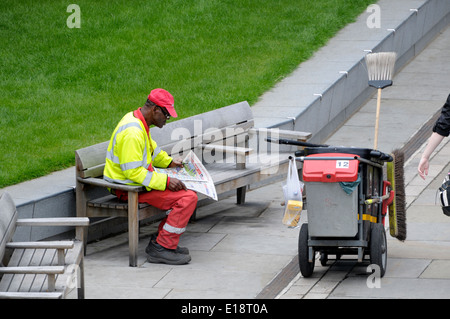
<point x="292" y="190"/>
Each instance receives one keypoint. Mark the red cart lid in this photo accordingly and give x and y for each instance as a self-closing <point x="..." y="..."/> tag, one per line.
<point x="332" y="170"/>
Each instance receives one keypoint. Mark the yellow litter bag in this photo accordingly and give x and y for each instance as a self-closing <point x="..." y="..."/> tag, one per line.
<point x="292" y="190"/>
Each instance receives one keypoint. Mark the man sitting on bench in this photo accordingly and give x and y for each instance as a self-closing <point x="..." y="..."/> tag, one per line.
<point x="130" y="158"/>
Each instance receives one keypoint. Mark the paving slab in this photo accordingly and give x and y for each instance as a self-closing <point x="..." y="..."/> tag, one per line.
<point x="392" y="288"/>
<point x="438" y="269"/>
<point x="419" y="249"/>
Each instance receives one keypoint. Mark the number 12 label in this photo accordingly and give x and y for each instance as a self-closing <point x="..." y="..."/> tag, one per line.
<point x="342" y="164"/>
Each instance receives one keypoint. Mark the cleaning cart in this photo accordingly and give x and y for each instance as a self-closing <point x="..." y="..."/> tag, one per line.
<point x="347" y="198"/>
<point x="346" y="202"/>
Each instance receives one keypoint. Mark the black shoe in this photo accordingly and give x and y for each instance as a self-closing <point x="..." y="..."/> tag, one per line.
<point x="180" y="250"/>
<point x="158" y="254"/>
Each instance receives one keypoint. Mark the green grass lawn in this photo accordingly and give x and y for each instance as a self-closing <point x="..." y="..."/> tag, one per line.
<point x="62" y="89"/>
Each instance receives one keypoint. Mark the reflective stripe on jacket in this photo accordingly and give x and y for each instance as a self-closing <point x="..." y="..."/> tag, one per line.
<point x="131" y="154"/>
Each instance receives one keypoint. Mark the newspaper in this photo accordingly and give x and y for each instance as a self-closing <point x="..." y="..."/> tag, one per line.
<point x="193" y="174"/>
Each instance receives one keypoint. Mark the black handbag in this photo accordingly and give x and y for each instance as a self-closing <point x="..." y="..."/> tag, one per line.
<point x="444" y="195"/>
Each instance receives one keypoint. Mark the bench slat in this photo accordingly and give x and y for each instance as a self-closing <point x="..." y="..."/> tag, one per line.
<point x="31" y="295"/>
<point x="197" y="124"/>
<point x="53" y="270"/>
<point x="111" y="201"/>
<point x="55" y="221"/>
<point x="91" y="156"/>
<point x="94" y="171"/>
<point x="102" y="183"/>
<point x="297" y="135"/>
<point x="41" y="245"/>
<point x="218" y="136"/>
<point x="227" y="149"/>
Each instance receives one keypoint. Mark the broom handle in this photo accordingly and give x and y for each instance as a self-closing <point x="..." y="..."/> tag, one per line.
<point x="375" y="145"/>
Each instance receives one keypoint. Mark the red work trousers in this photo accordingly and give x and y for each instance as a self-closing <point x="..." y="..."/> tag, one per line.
<point x="182" y="204"/>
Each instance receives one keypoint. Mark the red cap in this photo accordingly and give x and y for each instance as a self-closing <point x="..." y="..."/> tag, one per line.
<point x="164" y="99"/>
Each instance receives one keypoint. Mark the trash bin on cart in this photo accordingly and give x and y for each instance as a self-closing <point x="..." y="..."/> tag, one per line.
<point x="331" y="211"/>
<point x="338" y="181"/>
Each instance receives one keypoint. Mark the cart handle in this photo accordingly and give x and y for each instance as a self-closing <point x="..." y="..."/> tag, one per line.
<point x="377" y="199"/>
<point x="291" y="142"/>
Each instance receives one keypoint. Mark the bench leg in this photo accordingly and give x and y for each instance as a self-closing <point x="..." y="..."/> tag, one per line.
<point x="240" y="195"/>
<point x="133" y="227"/>
<point x="51" y="282"/>
<point x="81" y="279"/>
<point x="81" y="232"/>
<point x="193" y="216"/>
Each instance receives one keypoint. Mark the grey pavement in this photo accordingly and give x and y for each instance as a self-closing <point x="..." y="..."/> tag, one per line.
<point x="236" y="251"/>
<point x="241" y="252"/>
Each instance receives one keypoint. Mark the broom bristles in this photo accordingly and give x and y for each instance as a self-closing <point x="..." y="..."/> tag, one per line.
<point x="399" y="159"/>
<point x="380" y="65"/>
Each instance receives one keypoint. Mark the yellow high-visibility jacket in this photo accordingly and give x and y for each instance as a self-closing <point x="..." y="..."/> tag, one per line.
<point x="131" y="152"/>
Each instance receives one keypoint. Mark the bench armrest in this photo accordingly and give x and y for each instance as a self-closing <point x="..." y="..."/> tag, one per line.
<point x="60" y="246"/>
<point x="55" y="221"/>
<point x="41" y="245"/>
<point x="301" y="136"/>
<point x="48" y="270"/>
<point x="102" y="183"/>
<point x="241" y="151"/>
<point x="78" y="222"/>
<point x="30" y="295"/>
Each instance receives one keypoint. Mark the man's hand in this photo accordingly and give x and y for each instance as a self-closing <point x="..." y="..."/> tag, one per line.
<point x="176" y="185"/>
<point x="176" y="163"/>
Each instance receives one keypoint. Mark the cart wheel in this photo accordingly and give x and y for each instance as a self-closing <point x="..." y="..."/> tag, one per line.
<point x="323" y="259"/>
<point x="306" y="267"/>
<point x="378" y="247"/>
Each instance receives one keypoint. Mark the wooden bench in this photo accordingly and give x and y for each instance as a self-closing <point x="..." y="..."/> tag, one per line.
<point x="43" y="269"/>
<point x="232" y="150"/>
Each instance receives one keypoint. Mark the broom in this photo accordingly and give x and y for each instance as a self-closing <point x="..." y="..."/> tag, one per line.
<point x="380" y="67"/>
<point x="397" y="210"/>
